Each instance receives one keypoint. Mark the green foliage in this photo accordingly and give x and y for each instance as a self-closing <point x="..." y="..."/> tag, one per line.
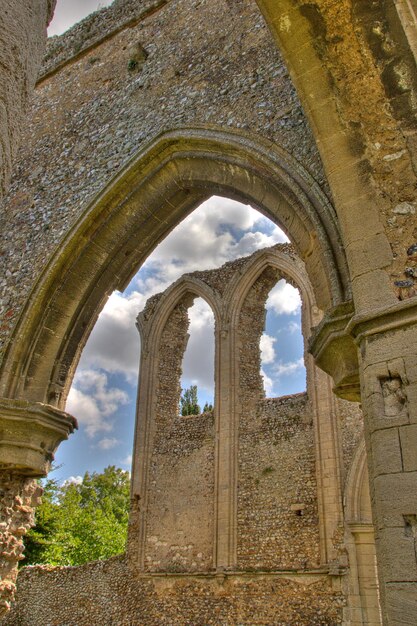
<point x="132" y="65"/>
<point x="78" y="523"/>
<point x="189" y="401"/>
<point x="207" y="407"/>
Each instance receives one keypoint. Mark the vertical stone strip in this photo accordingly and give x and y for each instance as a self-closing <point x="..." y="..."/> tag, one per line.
<point x="328" y="465"/>
<point x="249" y="388"/>
<point x="389" y="394"/>
<point x="18" y="497"/>
<point x="226" y="450"/>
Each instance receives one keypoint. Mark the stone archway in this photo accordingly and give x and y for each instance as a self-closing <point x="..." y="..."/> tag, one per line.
<point x="363" y="605"/>
<point x="138" y="208"/>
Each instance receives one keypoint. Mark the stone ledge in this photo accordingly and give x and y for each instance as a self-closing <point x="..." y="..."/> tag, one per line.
<point x="335" y="351"/>
<point x="393" y="317"/>
<point x="30" y="434"/>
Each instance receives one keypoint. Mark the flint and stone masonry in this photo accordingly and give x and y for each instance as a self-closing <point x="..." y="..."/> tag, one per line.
<point x="140" y="113"/>
<point x="242" y="503"/>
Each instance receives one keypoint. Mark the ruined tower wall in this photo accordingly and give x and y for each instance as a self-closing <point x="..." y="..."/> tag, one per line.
<point x="189" y="471"/>
<point x="208" y="64"/>
<point x="180" y="495"/>
<point x="22" y="43"/>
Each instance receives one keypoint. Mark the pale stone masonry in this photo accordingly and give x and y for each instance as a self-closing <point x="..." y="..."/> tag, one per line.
<point x="117" y="149"/>
<point x="243" y="499"/>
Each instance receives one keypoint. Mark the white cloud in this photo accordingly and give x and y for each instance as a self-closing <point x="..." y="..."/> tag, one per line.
<point x="72" y="480"/>
<point x="127" y="460"/>
<point x="268" y="384"/>
<point x="114" y="344"/>
<point x="108" y="443"/>
<point x="92" y="403"/>
<point x="266" y="345"/>
<point x="288" y="369"/>
<point x="201" y="241"/>
<point x="293" y="327"/>
<point x="198" y="364"/>
<point x="284" y="299"/>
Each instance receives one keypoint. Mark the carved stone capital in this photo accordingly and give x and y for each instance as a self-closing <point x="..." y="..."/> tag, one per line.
<point x="336" y="352"/>
<point x="30" y="434"/>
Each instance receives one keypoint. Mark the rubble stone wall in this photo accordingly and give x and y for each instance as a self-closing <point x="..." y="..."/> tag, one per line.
<point x="22" y="43"/>
<point x="180" y="499"/>
<point x="277" y="492"/>
<point x="108" y="594"/>
<point x="208" y="63"/>
<point x="277" y="514"/>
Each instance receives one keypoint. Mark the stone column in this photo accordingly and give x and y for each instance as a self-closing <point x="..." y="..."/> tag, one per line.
<point x="366" y="574"/>
<point x="387" y="342"/>
<point x="29" y="436"/>
<point x="226" y="450"/>
<point x="388" y="349"/>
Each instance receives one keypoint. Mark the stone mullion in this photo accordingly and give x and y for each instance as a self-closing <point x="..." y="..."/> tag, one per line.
<point x="226" y="451"/>
<point x="328" y="464"/>
<point x="142" y="452"/>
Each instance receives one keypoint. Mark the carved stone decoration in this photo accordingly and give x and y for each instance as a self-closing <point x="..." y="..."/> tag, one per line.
<point x="29" y="435"/>
<point x="395" y="398"/>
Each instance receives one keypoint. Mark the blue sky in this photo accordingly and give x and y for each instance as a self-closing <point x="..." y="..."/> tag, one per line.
<point x="103" y="394"/>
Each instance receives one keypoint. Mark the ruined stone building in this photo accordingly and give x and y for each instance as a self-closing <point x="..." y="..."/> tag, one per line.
<point x="306" y="110"/>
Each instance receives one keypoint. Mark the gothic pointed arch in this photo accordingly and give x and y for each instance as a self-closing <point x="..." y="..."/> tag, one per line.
<point x="129" y="217"/>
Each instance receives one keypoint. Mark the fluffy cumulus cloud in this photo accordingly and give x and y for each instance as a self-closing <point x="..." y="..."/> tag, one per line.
<point x="268" y="384"/>
<point x="218" y="231"/>
<point x="206" y="239"/>
<point x="267" y="349"/>
<point x="72" y="480"/>
<point x="93" y="402"/>
<point x="108" y="443"/>
<point x="68" y="12"/>
<point x="284" y="299"/>
<point x="198" y="364"/>
<point x="114" y="344"/>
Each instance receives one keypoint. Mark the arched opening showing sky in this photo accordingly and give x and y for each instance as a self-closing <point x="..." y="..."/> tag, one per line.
<point x="282" y="343"/>
<point x="198" y="362"/>
<point x="103" y="395"/>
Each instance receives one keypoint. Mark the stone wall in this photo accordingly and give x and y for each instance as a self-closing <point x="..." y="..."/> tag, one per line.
<point x="107" y="593"/>
<point x="277" y="492"/>
<point x="277" y="511"/>
<point x="179" y="519"/>
<point x="18" y="497"/>
<point x="89" y="118"/>
<point x="174" y="571"/>
<point x="22" y="43"/>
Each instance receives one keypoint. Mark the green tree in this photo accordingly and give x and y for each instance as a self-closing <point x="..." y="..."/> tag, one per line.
<point x="77" y="523"/>
<point x="189" y="401"/>
<point x="207" y="407"/>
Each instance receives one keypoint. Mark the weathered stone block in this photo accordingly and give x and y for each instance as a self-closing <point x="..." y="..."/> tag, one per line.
<point x="408" y="438"/>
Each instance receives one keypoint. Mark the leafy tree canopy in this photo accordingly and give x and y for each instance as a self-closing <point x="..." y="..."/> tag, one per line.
<point x="78" y="523"/>
<point x="189" y="401"/>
